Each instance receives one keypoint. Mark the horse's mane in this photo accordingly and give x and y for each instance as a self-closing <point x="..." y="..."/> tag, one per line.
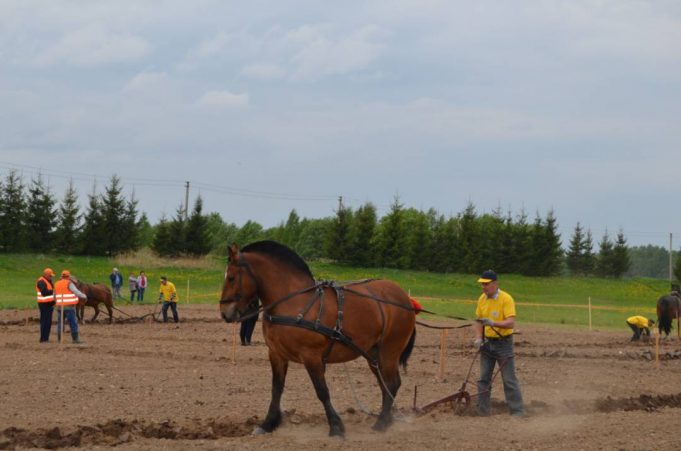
<point x="281" y="253"/>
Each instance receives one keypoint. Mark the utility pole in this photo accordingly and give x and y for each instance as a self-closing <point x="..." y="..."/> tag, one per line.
<point x="340" y="203"/>
<point x="670" y="259"/>
<point x="186" y="200"/>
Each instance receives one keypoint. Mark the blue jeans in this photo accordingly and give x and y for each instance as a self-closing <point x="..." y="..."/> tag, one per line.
<point x="140" y="294"/>
<point x="501" y="352"/>
<point x="70" y="316"/>
<point x="164" y="310"/>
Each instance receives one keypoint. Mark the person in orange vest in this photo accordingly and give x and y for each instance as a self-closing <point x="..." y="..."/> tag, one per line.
<point x="45" y="293"/>
<point x="67" y="296"/>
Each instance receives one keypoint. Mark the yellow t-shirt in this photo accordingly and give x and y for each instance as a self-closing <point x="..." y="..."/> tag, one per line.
<point x="497" y="309"/>
<point x="168" y="292"/>
<point x="638" y="321"/>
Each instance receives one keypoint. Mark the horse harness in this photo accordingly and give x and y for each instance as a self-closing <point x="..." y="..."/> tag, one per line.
<point x="336" y="333"/>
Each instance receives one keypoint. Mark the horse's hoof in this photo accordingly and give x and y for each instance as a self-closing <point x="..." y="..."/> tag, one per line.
<point x="258" y="431"/>
<point x="338" y="434"/>
<point x="380" y="426"/>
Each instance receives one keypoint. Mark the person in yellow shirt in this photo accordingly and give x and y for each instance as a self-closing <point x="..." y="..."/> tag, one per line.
<point x="168" y="295"/>
<point x="495" y="313"/>
<point x="639" y="324"/>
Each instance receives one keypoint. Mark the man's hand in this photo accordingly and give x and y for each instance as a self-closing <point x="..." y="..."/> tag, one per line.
<point x="487" y="322"/>
<point x="477" y="343"/>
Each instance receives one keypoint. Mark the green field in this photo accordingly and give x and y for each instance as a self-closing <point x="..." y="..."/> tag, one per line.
<point x="554" y="300"/>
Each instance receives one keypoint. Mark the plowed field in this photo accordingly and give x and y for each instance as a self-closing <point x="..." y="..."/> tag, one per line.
<point x="148" y="385"/>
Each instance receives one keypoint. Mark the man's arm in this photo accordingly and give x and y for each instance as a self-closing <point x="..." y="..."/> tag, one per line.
<point x="508" y="323"/>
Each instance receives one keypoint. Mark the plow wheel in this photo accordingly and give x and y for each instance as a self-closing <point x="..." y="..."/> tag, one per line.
<point x="460" y="402"/>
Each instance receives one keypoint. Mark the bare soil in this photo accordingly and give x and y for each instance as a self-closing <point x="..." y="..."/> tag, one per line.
<point x="148" y="385"/>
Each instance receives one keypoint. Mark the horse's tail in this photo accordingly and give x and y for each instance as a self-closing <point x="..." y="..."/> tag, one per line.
<point x="664" y="316"/>
<point x="404" y="357"/>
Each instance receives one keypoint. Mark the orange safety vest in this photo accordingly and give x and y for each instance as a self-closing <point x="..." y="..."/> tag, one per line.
<point x="63" y="295"/>
<point x="41" y="298"/>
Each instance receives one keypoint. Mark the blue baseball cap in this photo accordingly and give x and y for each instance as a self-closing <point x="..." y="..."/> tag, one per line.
<point x="488" y="276"/>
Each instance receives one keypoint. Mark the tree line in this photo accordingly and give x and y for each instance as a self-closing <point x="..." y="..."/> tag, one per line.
<point x="31" y="220"/>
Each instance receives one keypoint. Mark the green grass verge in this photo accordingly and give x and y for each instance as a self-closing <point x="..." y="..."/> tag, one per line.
<point x="551" y="300"/>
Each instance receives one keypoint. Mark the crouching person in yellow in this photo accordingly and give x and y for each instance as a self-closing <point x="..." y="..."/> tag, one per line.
<point x="639" y="324"/>
<point x="66" y="297"/>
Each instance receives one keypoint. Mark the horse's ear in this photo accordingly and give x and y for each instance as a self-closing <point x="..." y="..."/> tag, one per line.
<point x="233" y="252"/>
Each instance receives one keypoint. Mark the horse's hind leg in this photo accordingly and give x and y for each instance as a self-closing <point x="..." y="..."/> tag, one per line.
<point x="273" y="418"/>
<point x="389" y="381"/>
<point x="316" y="372"/>
<point x="110" y="310"/>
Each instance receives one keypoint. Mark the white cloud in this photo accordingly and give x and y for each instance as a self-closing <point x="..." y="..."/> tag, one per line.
<point x="320" y="54"/>
<point x="212" y="46"/>
<point x="264" y="71"/>
<point x="223" y="99"/>
<point x="92" y="46"/>
<point x="145" y="81"/>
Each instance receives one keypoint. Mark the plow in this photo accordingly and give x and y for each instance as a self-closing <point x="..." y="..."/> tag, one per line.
<point x="461" y="399"/>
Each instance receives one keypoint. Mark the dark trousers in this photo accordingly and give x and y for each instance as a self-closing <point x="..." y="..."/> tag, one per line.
<point x="46" y="309"/>
<point x="637" y="332"/>
<point x="164" y="311"/>
<point x="246" y="331"/>
<point x="499" y="352"/>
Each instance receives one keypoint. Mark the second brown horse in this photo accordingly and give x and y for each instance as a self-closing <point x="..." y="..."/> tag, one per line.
<point x="319" y="323"/>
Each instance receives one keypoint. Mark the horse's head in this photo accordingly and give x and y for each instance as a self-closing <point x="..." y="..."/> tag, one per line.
<point x="240" y="287"/>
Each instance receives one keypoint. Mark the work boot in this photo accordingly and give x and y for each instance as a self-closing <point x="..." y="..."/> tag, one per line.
<point x="76" y="338"/>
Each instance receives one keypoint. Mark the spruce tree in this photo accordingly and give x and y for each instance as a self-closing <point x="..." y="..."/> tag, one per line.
<point x="197" y="237"/>
<point x="589" y="258"/>
<point x="178" y="233"/>
<point x="522" y="246"/>
<point x="40" y="217"/>
<point x="419" y="239"/>
<point x="507" y="256"/>
<point x="604" y="262"/>
<point x="620" y="256"/>
<point x="362" y="234"/>
<point x="13" y="236"/>
<point x="469" y="240"/>
<point x="575" y="253"/>
<point x="677" y="268"/>
<point x="68" y="223"/>
<point x="391" y="238"/>
<point x="446" y="255"/>
<point x="145" y="231"/>
<point x="337" y="244"/>
<point x="114" y="218"/>
<point x="130" y="239"/>
<point x="552" y="252"/>
<point x="93" y="238"/>
<point x="161" y="243"/>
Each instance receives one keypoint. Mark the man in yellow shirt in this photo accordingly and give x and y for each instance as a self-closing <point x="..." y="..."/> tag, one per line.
<point x="639" y="324"/>
<point x="168" y="294"/>
<point x="493" y="329"/>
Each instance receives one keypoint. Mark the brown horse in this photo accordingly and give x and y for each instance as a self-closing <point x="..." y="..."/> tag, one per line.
<point x="668" y="309"/>
<point x="319" y="323"/>
<point x="96" y="293"/>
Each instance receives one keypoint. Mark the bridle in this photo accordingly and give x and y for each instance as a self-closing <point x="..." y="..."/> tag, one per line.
<point x="238" y="296"/>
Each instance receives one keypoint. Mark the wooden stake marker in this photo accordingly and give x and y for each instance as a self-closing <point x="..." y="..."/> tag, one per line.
<point x="443" y="353"/>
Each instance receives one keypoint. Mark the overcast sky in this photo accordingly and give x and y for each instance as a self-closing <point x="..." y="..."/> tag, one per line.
<point x="269" y="106"/>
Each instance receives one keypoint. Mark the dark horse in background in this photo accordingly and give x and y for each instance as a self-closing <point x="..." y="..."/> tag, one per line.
<point x="96" y="293"/>
<point x="319" y="323"/>
<point x="668" y="310"/>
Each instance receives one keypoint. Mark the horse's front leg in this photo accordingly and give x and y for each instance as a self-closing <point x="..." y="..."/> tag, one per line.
<point x="273" y="419"/>
<point x="96" y="307"/>
<point x="316" y="371"/>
